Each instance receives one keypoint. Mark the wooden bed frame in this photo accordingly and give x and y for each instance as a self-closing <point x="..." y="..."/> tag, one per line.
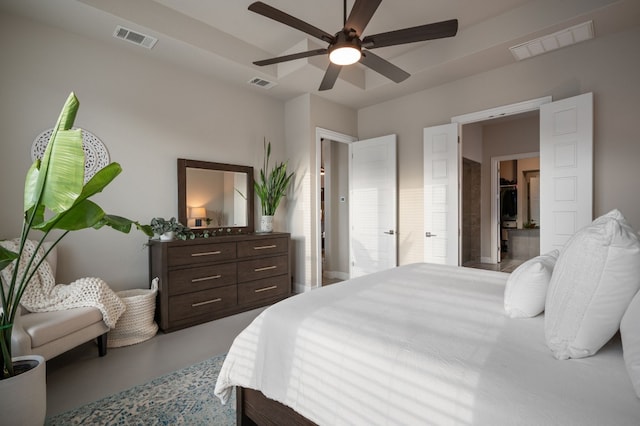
<point x="253" y="408"/>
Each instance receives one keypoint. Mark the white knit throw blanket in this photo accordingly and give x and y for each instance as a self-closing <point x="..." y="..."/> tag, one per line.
<point x="43" y="295"/>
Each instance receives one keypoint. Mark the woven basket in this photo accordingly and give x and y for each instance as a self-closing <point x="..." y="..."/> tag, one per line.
<point x="136" y="324"/>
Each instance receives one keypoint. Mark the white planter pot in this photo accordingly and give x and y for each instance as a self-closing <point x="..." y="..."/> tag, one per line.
<point x="266" y="224"/>
<point x="24" y="397"/>
<point x="167" y="236"/>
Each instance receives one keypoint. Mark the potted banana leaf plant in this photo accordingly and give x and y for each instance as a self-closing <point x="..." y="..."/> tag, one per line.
<point x="55" y="199"/>
<point x="270" y="187"/>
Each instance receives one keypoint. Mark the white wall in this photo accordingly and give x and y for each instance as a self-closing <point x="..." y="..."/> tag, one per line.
<point x="607" y="66"/>
<point x="148" y="114"/>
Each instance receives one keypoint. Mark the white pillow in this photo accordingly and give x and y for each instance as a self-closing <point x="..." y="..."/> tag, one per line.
<point x="630" y="334"/>
<point x="596" y="276"/>
<point x="526" y="289"/>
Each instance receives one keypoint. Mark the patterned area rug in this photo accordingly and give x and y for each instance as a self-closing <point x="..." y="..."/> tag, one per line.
<point x="184" y="397"/>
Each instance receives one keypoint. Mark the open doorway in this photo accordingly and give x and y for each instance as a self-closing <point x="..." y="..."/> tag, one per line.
<point x="562" y="133"/>
<point x="322" y="199"/>
<point x="334" y="211"/>
<point x="518" y="209"/>
<point x="495" y="205"/>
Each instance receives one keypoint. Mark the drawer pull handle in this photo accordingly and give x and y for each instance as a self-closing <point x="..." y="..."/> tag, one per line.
<point x="265" y="247"/>
<point x="206" y="253"/>
<point x="260" y="290"/>
<point x="206" y="302"/>
<point x="266" y="268"/>
<point x="212" y="277"/>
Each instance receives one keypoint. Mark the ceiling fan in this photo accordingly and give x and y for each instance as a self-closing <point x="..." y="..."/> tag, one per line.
<point x="347" y="46"/>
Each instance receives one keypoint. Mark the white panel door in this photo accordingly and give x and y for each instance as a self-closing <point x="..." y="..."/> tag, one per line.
<point x="441" y="165"/>
<point x="373" y="205"/>
<point x="566" y="169"/>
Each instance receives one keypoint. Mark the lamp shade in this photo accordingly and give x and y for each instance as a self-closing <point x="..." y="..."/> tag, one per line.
<point x="197" y="212"/>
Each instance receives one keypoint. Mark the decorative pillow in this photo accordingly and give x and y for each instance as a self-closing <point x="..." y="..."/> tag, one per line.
<point x="526" y="289"/>
<point x="630" y="334"/>
<point x="596" y="276"/>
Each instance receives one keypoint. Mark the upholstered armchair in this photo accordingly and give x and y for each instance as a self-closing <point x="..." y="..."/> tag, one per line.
<point x="51" y="333"/>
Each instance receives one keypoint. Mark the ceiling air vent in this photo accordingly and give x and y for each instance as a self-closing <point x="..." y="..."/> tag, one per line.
<point x="134" y="37"/>
<point x="260" y="82"/>
<point x="557" y="40"/>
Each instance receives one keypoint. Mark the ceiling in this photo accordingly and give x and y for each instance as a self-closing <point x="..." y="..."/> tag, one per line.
<point x="221" y="38"/>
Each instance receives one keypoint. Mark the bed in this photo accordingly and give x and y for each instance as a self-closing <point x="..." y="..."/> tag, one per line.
<point x="417" y="344"/>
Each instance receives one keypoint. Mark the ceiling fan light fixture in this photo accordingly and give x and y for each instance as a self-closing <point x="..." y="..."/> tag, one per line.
<point x="345" y="51"/>
<point x="345" y="55"/>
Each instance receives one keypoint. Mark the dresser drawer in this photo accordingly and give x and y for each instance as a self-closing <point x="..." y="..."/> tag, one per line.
<point x="251" y="270"/>
<point x="202" y="302"/>
<point x="267" y="288"/>
<point x="201" y="278"/>
<point x="263" y="246"/>
<point x="201" y="253"/>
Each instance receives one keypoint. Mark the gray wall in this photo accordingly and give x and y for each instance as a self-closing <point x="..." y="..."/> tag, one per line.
<point x="146" y="112"/>
<point x="607" y="66"/>
<point x="149" y="113"/>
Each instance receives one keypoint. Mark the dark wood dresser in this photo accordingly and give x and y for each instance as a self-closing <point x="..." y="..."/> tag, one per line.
<point x="209" y="278"/>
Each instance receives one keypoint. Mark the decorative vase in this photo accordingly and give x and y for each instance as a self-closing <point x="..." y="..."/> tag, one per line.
<point x="24" y="397"/>
<point x="266" y="224"/>
<point x="167" y="236"/>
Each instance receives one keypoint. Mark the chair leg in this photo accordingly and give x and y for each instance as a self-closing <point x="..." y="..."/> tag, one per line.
<point x="102" y="344"/>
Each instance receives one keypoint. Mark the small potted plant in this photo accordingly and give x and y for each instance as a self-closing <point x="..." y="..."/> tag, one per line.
<point x="270" y="187"/>
<point x="166" y="230"/>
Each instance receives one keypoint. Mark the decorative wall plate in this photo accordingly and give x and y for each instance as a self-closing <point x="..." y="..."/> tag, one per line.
<point x="96" y="155"/>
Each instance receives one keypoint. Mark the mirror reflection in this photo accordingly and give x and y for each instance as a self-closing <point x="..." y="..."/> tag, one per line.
<point x="216" y="198"/>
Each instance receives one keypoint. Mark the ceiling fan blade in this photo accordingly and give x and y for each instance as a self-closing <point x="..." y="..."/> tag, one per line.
<point x="330" y="76"/>
<point x="361" y="14"/>
<point x="383" y="67"/>
<point x="284" y="18"/>
<point x="291" y="57"/>
<point x="411" y="35"/>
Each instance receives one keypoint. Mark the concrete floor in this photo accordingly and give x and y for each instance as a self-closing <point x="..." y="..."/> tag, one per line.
<point x="79" y="376"/>
<point x="507" y="265"/>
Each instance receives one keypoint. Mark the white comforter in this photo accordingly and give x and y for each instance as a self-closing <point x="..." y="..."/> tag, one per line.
<point x="422" y="344"/>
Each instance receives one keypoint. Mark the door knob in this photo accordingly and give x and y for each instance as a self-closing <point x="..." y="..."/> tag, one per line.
<point x="390" y="232"/>
<point x="429" y="235"/>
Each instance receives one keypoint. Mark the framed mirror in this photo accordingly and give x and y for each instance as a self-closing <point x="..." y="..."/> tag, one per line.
<point x="215" y="196"/>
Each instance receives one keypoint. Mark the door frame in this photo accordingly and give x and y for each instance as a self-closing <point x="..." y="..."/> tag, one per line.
<point x="336" y="137"/>
<point x="488" y="114"/>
